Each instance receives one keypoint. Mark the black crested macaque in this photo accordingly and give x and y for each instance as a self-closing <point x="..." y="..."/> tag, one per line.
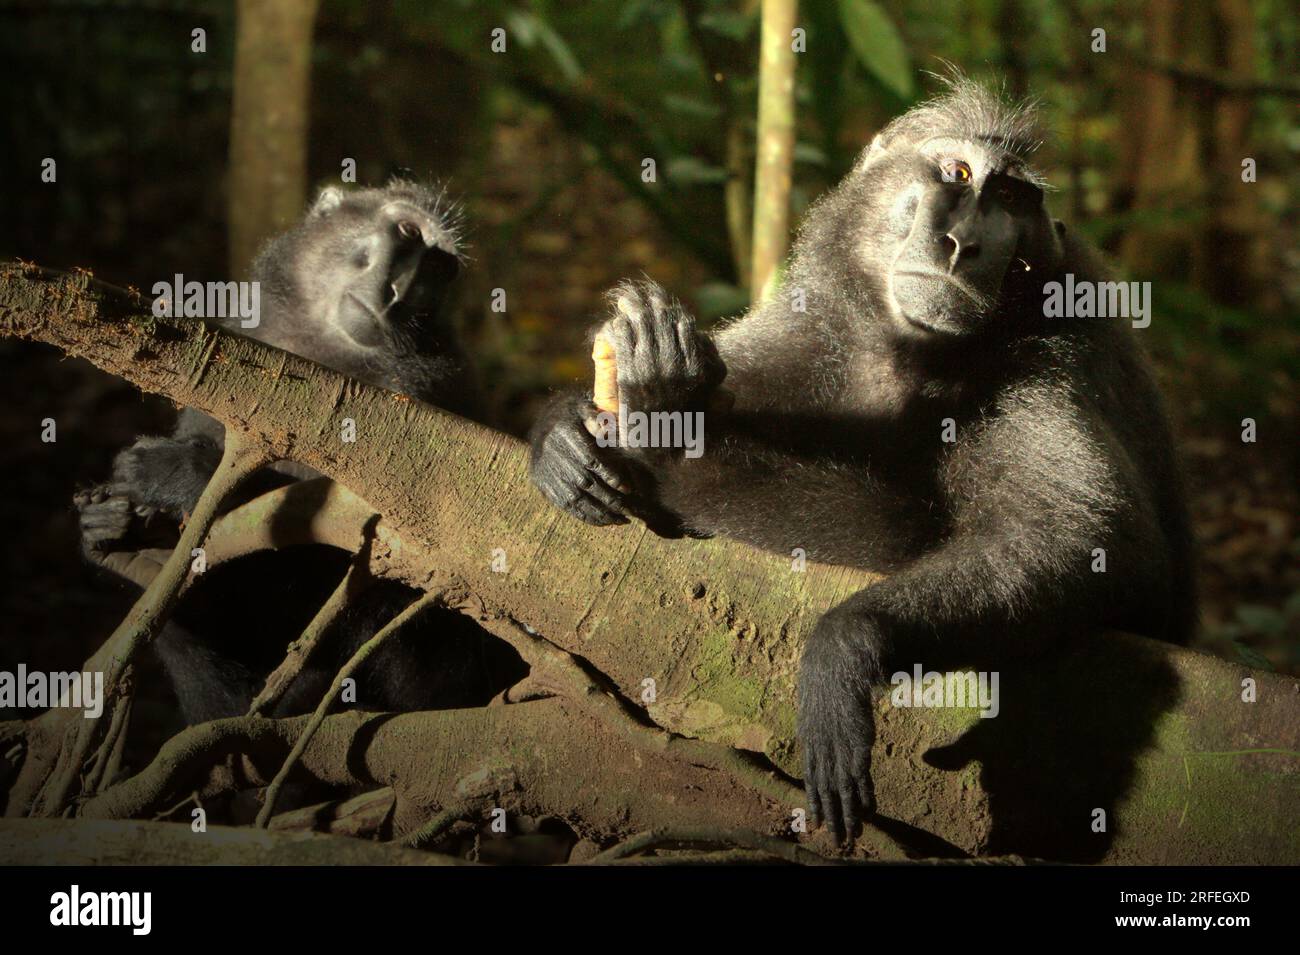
<point x="364" y="284"/>
<point x="923" y="275"/>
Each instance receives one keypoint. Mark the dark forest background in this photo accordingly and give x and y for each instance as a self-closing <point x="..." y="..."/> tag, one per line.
<point x="543" y="144"/>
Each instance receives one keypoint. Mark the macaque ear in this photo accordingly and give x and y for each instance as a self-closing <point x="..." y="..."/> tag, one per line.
<point x="330" y="198"/>
<point x="871" y="153"/>
<point x="1059" y="226"/>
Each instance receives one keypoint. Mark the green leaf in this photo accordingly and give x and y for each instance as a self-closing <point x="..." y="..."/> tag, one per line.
<point x="878" y="44"/>
<point x="531" y="29"/>
<point x="523" y="26"/>
<point x="560" y="52"/>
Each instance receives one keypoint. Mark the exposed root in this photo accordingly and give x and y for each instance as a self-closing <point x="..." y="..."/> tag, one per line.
<point x="332" y="694"/>
<point x="243" y="456"/>
<point x="560" y="671"/>
<point x="754" y="842"/>
<point x="353" y="583"/>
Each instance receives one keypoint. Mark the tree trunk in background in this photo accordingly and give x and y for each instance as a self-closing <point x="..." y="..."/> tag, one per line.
<point x="775" y="143"/>
<point x="739" y="191"/>
<point x="725" y="59"/>
<point x="1158" y="142"/>
<point x="267" y="185"/>
<point x="1233" y="206"/>
<point x="1184" y="155"/>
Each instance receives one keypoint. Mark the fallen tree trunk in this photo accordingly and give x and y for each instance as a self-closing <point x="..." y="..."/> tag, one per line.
<point x="1158" y="739"/>
<point x="122" y="842"/>
<point x="531" y="759"/>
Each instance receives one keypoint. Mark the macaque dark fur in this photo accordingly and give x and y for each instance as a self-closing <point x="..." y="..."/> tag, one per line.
<point x="364" y="285"/>
<point x="923" y="273"/>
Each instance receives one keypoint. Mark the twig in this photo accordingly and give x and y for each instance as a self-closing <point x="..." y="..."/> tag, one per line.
<point x="367" y="816"/>
<point x="300" y="651"/>
<point x="432" y="830"/>
<point x="243" y="455"/>
<point x="114" y="765"/>
<point x="170" y="811"/>
<point x="100" y="773"/>
<point x="742" y="838"/>
<point x="315" y="511"/>
<point x="323" y="708"/>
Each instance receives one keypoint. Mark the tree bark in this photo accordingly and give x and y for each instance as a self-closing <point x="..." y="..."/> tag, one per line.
<point x="1158" y="738"/>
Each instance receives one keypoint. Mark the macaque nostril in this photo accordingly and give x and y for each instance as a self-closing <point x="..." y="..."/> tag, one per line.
<point x="956" y="250"/>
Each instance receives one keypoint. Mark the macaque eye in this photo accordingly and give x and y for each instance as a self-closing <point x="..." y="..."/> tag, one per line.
<point x="409" y="230"/>
<point x="1014" y="194"/>
<point x="954" y="170"/>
